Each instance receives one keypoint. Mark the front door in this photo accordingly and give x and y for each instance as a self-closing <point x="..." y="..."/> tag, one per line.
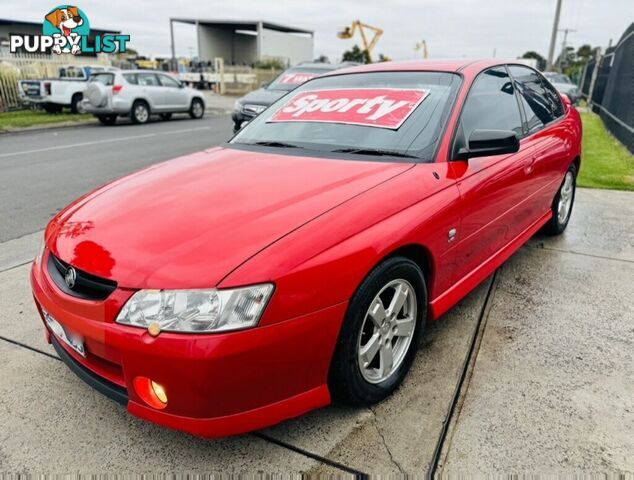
<point x="492" y="189"/>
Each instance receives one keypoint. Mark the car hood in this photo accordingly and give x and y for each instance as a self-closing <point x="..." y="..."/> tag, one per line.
<point x="262" y="96"/>
<point x="189" y="222"/>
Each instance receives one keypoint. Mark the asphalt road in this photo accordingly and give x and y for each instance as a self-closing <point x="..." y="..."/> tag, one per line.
<point x="42" y="171"/>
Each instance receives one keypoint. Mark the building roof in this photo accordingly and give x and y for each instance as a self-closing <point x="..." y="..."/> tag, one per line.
<point x="241" y="24"/>
<point x="8" y="21"/>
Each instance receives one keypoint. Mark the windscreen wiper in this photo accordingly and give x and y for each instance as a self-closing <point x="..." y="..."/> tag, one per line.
<point x="372" y="151"/>
<point x="273" y="143"/>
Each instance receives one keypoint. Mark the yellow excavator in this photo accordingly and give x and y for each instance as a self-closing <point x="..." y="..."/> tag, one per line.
<point x="348" y="32"/>
<point x="421" y="46"/>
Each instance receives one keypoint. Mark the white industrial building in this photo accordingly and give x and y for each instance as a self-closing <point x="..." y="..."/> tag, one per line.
<point x="241" y="42"/>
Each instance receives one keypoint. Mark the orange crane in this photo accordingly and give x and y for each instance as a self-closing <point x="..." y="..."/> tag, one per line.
<point x="348" y="32"/>
<point x="421" y="46"/>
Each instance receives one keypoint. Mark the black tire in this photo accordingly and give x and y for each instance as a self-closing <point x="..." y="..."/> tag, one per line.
<point x="52" y="108"/>
<point x="197" y="109"/>
<point x="74" y="103"/>
<point x="136" y="114"/>
<point x="556" y="225"/>
<point x="107" y="119"/>
<point x="236" y="126"/>
<point x="165" y="116"/>
<point x="347" y="383"/>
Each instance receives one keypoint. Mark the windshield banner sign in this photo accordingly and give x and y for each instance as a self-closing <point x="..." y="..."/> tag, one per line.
<point x="371" y="107"/>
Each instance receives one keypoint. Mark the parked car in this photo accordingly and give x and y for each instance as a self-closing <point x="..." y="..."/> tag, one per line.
<point x="236" y="287"/>
<point x="138" y="94"/>
<point x="254" y="103"/>
<point x="66" y="91"/>
<point x="563" y="84"/>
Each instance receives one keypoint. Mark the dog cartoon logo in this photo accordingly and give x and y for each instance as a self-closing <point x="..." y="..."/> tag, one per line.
<point x="67" y="24"/>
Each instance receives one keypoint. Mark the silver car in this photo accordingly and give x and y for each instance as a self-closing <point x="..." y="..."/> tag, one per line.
<point x="138" y="94"/>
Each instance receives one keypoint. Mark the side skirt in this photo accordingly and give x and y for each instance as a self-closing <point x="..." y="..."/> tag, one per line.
<point x="460" y="289"/>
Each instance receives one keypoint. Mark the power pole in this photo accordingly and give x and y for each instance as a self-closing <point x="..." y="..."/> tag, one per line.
<point x="563" y="45"/>
<point x="553" y="37"/>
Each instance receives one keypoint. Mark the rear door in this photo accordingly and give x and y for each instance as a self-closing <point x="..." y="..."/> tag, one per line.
<point x="492" y="188"/>
<point x="176" y="97"/>
<point x="152" y="91"/>
<point x="546" y="133"/>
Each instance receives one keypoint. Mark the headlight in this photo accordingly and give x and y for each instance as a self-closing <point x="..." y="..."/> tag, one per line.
<point x="197" y="310"/>
<point x="257" y="109"/>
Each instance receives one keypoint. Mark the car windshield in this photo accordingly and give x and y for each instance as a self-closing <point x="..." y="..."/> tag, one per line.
<point x="344" y="124"/>
<point x="558" y="78"/>
<point x="293" y="77"/>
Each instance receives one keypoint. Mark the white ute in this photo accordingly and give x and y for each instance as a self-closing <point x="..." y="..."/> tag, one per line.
<point x="65" y="91"/>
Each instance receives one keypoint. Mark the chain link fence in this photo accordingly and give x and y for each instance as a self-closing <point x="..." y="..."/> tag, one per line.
<point x="607" y="83"/>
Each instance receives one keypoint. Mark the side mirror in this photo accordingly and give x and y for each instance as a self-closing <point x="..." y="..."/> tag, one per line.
<point x="181" y="85"/>
<point x="484" y="143"/>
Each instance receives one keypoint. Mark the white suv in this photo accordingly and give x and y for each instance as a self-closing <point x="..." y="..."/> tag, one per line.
<point x="139" y="94"/>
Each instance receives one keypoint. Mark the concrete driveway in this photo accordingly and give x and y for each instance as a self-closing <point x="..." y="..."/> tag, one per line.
<point x="532" y="372"/>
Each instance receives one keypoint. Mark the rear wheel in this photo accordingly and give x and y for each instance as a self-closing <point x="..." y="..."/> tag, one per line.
<point x="197" y="109"/>
<point x="165" y="116"/>
<point x="562" y="203"/>
<point x="107" y="119"/>
<point x="75" y="103"/>
<point x="140" y="112"/>
<point x="380" y="333"/>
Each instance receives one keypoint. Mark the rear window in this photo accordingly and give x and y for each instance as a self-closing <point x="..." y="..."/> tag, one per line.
<point x="105" y="78"/>
<point x="346" y="123"/>
<point x="293" y="77"/>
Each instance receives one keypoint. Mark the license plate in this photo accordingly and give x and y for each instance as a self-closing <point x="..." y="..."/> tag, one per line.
<point x="70" y="339"/>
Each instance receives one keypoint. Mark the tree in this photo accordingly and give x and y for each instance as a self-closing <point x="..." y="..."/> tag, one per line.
<point x="541" y="61"/>
<point x="585" y="52"/>
<point x="355" y="54"/>
<point x="383" y="58"/>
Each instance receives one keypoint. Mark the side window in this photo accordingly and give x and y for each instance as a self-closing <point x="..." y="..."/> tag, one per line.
<point x="168" y="81"/>
<point x="553" y="97"/>
<point x="148" y="80"/>
<point x="537" y="106"/>
<point x="131" y="78"/>
<point x="491" y="104"/>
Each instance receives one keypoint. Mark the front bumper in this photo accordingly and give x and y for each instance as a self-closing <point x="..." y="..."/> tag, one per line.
<point x="217" y="384"/>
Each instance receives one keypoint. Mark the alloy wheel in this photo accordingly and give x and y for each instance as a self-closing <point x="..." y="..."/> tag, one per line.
<point x="387" y="331"/>
<point x="565" y="198"/>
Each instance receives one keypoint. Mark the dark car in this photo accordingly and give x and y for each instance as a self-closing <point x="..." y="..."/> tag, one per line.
<point x="254" y="103"/>
<point x="563" y="84"/>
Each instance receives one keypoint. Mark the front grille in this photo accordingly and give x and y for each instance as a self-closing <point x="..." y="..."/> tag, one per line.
<point x="86" y="286"/>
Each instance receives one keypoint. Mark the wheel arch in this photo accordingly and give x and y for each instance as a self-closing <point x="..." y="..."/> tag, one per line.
<point x="577" y="163"/>
<point x="144" y="100"/>
<point x="421" y="256"/>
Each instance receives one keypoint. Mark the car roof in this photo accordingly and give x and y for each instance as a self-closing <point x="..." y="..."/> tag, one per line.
<point x="428" y="65"/>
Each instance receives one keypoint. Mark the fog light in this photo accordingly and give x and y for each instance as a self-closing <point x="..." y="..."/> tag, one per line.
<point x="150" y="392"/>
<point x="159" y="391"/>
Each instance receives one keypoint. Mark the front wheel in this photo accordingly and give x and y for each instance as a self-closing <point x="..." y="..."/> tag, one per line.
<point x="197" y="109"/>
<point x="75" y="104"/>
<point x="562" y="203"/>
<point x="380" y="333"/>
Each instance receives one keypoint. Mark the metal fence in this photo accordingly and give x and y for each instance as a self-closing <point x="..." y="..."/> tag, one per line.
<point x="14" y="67"/>
<point x="608" y="85"/>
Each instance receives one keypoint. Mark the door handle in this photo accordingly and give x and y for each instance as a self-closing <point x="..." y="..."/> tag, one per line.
<point x="529" y="165"/>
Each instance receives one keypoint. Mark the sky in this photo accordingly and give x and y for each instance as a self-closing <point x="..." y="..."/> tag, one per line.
<point x="452" y="29"/>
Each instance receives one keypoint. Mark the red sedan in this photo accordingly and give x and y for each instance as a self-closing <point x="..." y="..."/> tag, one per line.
<point x="231" y="289"/>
